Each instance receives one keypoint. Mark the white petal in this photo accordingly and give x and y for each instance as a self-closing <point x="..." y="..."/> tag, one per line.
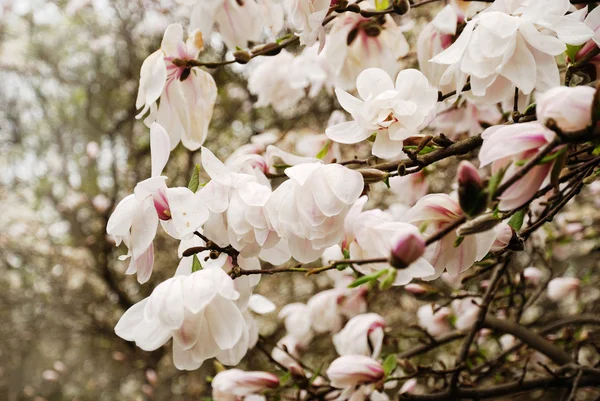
<point x="121" y="219"/>
<point x="153" y="76"/>
<point x="454" y="53"/>
<point x="347" y="101"/>
<point x="225" y="322"/>
<point x="160" y="147"/>
<point x="261" y="305"/>
<point x="188" y="211"/>
<point x="172" y="38"/>
<point x="348" y="132"/>
<point x="373" y="81"/>
<point x="143" y="228"/>
<point x="215" y="167"/>
<point x="128" y="323"/>
<point x="521" y="68"/>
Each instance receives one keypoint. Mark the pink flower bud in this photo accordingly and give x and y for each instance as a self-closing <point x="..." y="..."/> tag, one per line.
<point x="532" y="275"/>
<point x="504" y="234"/>
<point x="471" y="194"/>
<point x="352" y="370"/>
<point x="416" y="289"/>
<point x="569" y="107"/>
<point x="408" y="387"/>
<point x="161" y="204"/>
<point x="234" y="384"/>
<point x="559" y="288"/>
<point x="407" y="247"/>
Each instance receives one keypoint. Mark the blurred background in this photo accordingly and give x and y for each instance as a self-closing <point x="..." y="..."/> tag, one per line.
<point x="70" y="150"/>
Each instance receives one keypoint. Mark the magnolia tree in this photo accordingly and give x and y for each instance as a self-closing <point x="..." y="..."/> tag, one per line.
<point x="500" y="98"/>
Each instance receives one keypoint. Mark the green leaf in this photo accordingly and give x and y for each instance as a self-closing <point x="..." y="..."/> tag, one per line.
<point x="195" y="179"/>
<point x="494" y="182"/>
<point x="196" y="265"/>
<point x="346" y="253"/>
<point x="516" y="221"/>
<point x="324" y="150"/>
<point x="368" y="278"/>
<point x="285" y="378"/>
<point x="388" y="281"/>
<point x="572" y="51"/>
<point x="285" y="37"/>
<point x="382" y="4"/>
<point x="552" y="156"/>
<point x="389" y="364"/>
<point x="459" y="240"/>
<point x="386" y="181"/>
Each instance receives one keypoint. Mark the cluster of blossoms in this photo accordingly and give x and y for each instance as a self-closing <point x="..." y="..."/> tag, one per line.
<point x="238" y="219"/>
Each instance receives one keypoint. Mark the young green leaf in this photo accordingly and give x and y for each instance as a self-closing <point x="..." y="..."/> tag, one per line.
<point x="368" y="278"/>
<point x="195" y="179"/>
<point x="389" y="364"/>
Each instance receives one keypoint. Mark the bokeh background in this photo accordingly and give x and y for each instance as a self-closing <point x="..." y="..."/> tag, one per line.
<point x="71" y="148"/>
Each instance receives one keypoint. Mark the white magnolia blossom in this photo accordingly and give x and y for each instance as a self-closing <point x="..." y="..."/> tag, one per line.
<point x="308" y="209"/>
<point x="512" y="43"/>
<point x="434" y="320"/>
<point x="190" y="309"/>
<point x="382" y="51"/>
<point x="135" y="219"/>
<point x="372" y="234"/>
<point x="467" y="118"/>
<point x="307" y="16"/>
<point x="466" y="311"/>
<point x="392" y="112"/>
<point x="297" y="322"/>
<point x="362" y="335"/>
<point x="235" y="384"/>
<point x="187" y="96"/>
<point x="328" y="308"/>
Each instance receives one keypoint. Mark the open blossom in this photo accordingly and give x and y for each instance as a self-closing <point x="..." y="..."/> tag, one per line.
<point x="509" y="146"/>
<point x="328" y="308"/>
<point x="561" y="287"/>
<point x="234" y="384"/>
<point x="190" y="309"/>
<point x="392" y="112"/>
<point x="512" y="43"/>
<point x="287" y="353"/>
<point x="362" y="335"/>
<point x="136" y="218"/>
<point x="436" y="211"/>
<point x="187" y="96"/>
<point x="373" y="234"/>
<point x="435" y="323"/>
<point x="570" y="108"/>
<point x="349" y="371"/>
<point x="466" y="311"/>
<point x="297" y="322"/>
<point x="238" y="21"/>
<point x="281" y="81"/>
<point x="307" y="16"/>
<point x="468" y="118"/>
<point x="366" y="49"/>
<point x="592" y="21"/>
<point x="309" y="209"/>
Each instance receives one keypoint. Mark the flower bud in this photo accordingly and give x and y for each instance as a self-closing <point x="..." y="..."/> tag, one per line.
<point x="569" y="107"/>
<point x="504" y="234"/>
<point x="401" y="6"/>
<point x="471" y="193"/>
<point x="532" y="275"/>
<point x="161" y="204"/>
<point x="371" y="175"/>
<point x="235" y="384"/>
<point x="352" y="370"/>
<point x="407" y="247"/>
<point x="408" y="387"/>
<point x="559" y="288"/>
<point x="242" y="56"/>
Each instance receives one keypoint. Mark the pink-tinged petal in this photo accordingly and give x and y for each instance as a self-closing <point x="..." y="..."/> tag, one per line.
<point x="439" y="207"/>
<point x="348" y="102"/>
<point x="150" y="187"/>
<point x="348" y="132"/>
<point x="225" y="321"/>
<point x="183" y="359"/>
<point x="160" y="147"/>
<point x="346" y="184"/>
<point x="446" y="20"/>
<point x="130" y="320"/>
<point x="454" y="53"/>
<point x="121" y="219"/>
<point x="188" y="333"/>
<point x="144" y="264"/>
<point x="143" y="228"/>
<point x="373" y="81"/>
<point x="207" y="348"/>
<point x="200" y="94"/>
<point x="151" y="335"/>
<point x="153" y="76"/>
<point x="234" y="355"/>
<point x="524" y="189"/>
<point x="172" y="39"/>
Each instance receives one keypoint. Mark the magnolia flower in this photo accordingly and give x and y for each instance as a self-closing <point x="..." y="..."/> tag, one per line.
<point x="532" y="275"/>
<point x="436" y="211"/>
<point x="187" y="96"/>
<point x="237" y="204"/>
<point x="352" y="47"/>
<point x="570" y="108"/>
<point x="234" y="384"/>
<point x="509" y="147"/>
<point x="307" y="16"/>
<point x="408" y="387"/>
<point x="135" y="219"/>
<point x="592" y="21"/>
<point x="190" y="309"/>
<point x="309" y="209"/>
<point x="393" y="113"/>
<point x="466" y="311"/>
<point x="328" y="308"/>
<point x="511" y="43"/>
<point x="239" y="22"/>
<point x="349" y="371"/>
<point x="287" y="353"/>
<point x="410" y="188"/>
<point x="362" y="335"/>
<point x="504" y="234"/>
<point x="561" y="287"/>
<point x="297" y="322"/>
<point x="373" y="234"/>
<point x="436" y="323"/>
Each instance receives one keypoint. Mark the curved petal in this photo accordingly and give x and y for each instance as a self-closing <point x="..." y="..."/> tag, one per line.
<point x="373" y="81"/>
<point x="225" y="322"/>
<point x="160" y="147"/>
<point x="348" y="132"/>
